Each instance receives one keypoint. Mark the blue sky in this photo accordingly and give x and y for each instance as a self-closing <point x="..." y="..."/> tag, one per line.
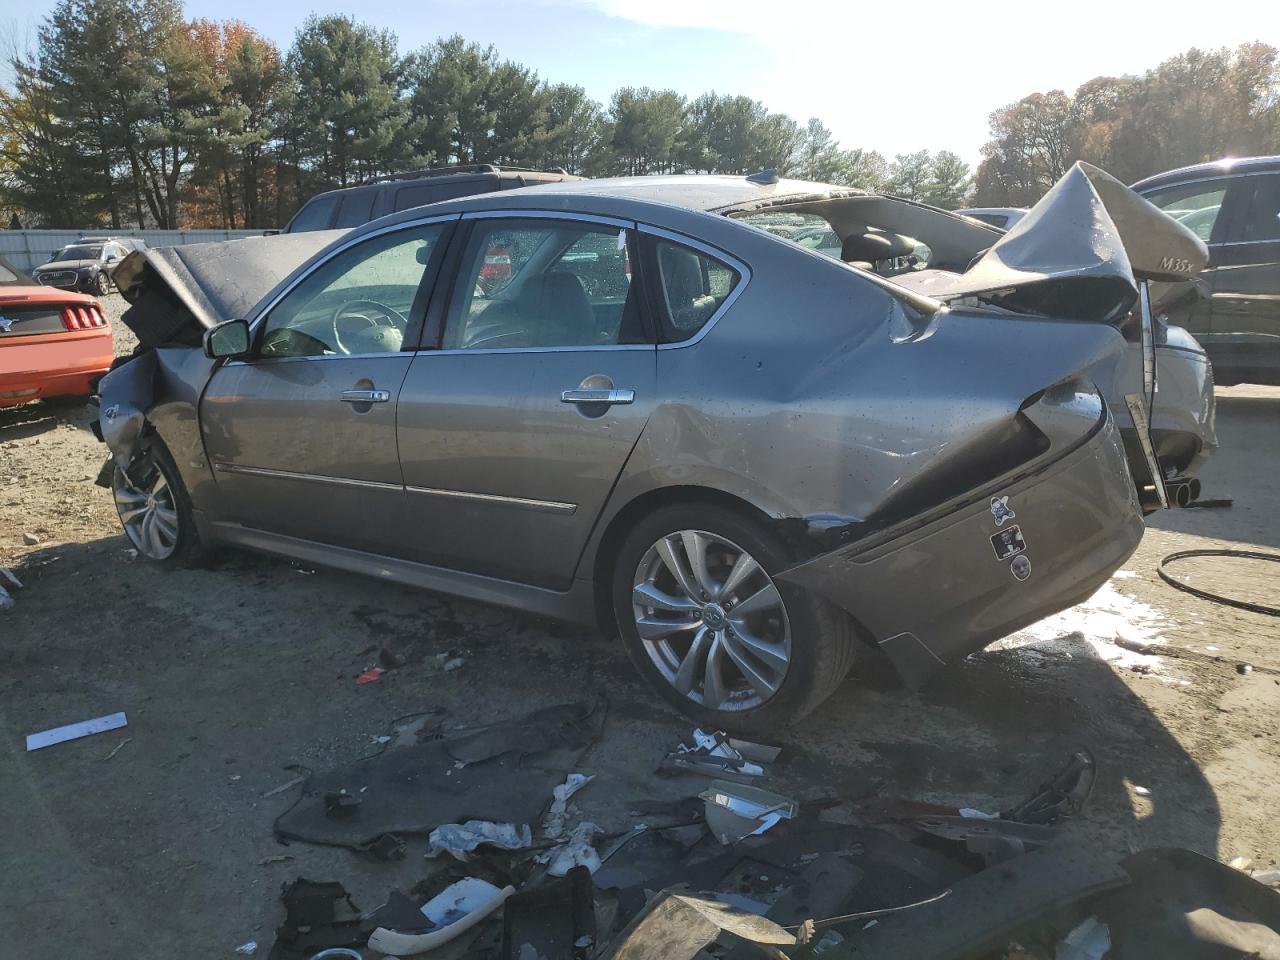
<point x="891" y="77"/>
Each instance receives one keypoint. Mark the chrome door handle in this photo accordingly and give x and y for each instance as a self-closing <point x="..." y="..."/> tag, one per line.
<point x="598" y="396"/>
<point x="365" y="396"/>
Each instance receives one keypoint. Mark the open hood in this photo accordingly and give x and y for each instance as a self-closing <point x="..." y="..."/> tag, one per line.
<point x="1079" y="254"/>
<point x="212" y="282"/>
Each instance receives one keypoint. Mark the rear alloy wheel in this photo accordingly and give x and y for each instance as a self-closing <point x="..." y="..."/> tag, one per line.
<point x="705" y="621"/>
<point x="154" y="510"/>
<point x="101" y="286"/>
<point x="711" y="620"/>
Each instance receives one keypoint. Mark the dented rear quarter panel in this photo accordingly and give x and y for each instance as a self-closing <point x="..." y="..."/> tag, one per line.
<point x="822" y="397"/>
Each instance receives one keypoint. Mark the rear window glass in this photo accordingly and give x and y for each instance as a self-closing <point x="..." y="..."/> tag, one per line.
<point x="424" y="193"/>
<point x="995" y="219"/>
<point x="357" y="208"/>
<point x="6" y="275"/>
<point x="805" y="229"/>
<point x="694" y="286"/>
<point x="315" y="215"/>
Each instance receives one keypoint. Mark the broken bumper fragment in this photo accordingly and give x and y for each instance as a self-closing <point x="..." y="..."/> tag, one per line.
<point x="981" y="571"/>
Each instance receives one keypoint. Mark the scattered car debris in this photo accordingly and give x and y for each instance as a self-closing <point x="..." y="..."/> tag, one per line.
<point x="462" y="839"/>
<point x="118" y="747"/>
<point x="553" y="822"/>
<point x="1244" y="669"/>
<point x="502" y="773"/>
<point x="719" y="755"/>
<point x="675" y="926"/>
<point x="578" y="850"/>
<point x="283" y="787"/>
<point x="247" y="949"/>
<point x="7" y="576"/>
<point x="372" y="675"/>
<point x="276" y="858"/>
<point x="735" y="811"/>
<point x="555" y="920"/>
<point x="452" y="912"/>
<point x="74" y="731"/>
<point x="318" y="915"/>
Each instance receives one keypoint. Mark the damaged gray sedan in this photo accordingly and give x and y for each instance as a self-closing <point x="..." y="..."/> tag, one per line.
<point x="622" y="402"/>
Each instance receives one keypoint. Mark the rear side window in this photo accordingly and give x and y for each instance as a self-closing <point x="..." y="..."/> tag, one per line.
<point x="1259" y="209"/>
<point x="692" y="286"/>
<point x="409" y="197"/>
<point x="315" y="215"/>
<point x="1194" y="205"/>
<point x="995" y="219"/>
<point x="420" y="194"/>
<point x="357" y="208"/>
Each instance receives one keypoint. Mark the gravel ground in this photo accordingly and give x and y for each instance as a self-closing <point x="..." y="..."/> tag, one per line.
<point x="233" y="673"/>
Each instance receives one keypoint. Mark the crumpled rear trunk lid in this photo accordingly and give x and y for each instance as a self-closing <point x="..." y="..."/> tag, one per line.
<point x="1080" y="254"/>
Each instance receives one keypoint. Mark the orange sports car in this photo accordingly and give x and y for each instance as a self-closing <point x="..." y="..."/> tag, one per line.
<point x="53" y="343"/>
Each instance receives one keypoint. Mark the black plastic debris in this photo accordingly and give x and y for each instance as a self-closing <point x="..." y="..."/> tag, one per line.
<point x="503" y="773"/>
<point x="318" y="915"/>
<point x="1063" y="796"/>
<point x="556" y="921"/>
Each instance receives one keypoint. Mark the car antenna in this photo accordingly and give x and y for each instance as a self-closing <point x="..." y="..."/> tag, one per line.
<point x="769" y="175"/>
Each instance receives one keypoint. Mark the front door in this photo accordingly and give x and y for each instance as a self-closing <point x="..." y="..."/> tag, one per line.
<point x="514" y="431"/>
<point x="302" y="435"/>
<point x="1245" y="327"/>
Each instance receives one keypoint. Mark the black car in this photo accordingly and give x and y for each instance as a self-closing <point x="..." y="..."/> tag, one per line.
<point x="86" y="265"/>
<point x="353" y="206"/>
<point x="1234" y="206"/>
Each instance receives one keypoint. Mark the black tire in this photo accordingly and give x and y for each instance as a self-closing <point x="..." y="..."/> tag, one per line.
<point x="822" y="635"/>
<point x="186" y="546"/>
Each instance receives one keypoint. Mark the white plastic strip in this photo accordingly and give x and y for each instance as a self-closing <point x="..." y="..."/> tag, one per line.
<point x="74" y="731"/>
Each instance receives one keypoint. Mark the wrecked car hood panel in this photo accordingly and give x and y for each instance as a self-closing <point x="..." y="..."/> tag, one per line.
<point x="219" y="281"/>
<point x="1080" y="252"/>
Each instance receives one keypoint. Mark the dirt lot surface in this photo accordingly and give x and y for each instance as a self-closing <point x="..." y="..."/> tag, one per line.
<point x="156" y="841"/>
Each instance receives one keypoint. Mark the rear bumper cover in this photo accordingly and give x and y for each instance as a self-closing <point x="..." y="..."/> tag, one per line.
<point x="58" y="365"/>
<point x="946" y="589"/>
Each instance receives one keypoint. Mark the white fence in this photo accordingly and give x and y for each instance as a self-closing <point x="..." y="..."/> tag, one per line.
<point x="27" y="249"/>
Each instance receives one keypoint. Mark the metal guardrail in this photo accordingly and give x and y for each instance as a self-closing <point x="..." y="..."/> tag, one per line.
<point x="27" y="249"/>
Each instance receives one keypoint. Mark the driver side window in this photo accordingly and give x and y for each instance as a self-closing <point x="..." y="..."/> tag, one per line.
<point x="359" y="302"/>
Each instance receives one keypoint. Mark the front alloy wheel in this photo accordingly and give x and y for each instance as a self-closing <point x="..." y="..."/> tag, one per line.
<point x="711" y="620"/>
<point x="149" y="513"/>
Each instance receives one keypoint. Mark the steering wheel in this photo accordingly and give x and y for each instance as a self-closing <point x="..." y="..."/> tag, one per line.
<point x="365" y="315"/>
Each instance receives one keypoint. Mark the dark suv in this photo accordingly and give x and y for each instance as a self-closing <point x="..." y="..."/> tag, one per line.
<point x="86" y="265"/>
<point x="1234" y="206"/>
<point x="352" y="206"/>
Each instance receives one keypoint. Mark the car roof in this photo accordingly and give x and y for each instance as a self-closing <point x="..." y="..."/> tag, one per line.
<point x="619" y="196"/>
<point x="1223" y="167"/>
<point x="692" y="191"/>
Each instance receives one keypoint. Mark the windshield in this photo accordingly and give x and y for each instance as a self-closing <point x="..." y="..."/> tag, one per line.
<point x="88" y="251"/>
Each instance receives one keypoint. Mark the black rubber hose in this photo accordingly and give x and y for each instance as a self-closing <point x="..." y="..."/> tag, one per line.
<point x="1213" y="597"/>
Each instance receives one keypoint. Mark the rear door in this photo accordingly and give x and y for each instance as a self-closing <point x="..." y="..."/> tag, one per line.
<point x="1246" y="280"/>
<point x="514" y="426"/>
<point x="302" y="436"/>
<point x="1199" y="206"/>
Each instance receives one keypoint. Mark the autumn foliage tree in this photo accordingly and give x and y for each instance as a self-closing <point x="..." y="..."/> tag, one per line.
<point x="1196" y="106"/>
